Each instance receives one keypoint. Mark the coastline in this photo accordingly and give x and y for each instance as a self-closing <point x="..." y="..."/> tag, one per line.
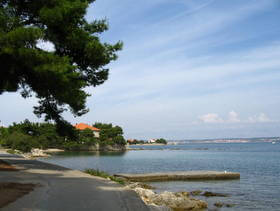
<point x="137" y="196"/>
<point x="147" y="144"/>
<point x="37" y="153"/>
<point x="84" y="192"/>
<point x="150" y="196"/>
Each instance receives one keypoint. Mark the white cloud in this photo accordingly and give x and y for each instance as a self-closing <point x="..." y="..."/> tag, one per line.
<point x="260" y="118"/>
<point x="233" y="117"/>
<point x="211" y="118"/>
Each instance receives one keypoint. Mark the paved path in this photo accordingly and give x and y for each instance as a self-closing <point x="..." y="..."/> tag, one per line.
<point x="64" y="189"/>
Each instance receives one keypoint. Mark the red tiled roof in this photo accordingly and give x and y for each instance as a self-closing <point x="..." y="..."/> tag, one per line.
<point x="83" y="126"/>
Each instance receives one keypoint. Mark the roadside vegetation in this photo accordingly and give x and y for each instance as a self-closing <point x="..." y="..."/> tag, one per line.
<point x="98" y="173"/>
<point x="27" y="135"/>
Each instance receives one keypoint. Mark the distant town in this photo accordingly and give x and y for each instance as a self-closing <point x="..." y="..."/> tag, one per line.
<point x="228" y="140"/>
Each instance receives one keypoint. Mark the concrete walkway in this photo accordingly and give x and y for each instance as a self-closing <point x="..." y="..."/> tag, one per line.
<point x="64" y="189"/>
<point x="181" y="175"/>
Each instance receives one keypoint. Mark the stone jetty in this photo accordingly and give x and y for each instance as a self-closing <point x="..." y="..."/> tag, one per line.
<point x="185" y="175"/>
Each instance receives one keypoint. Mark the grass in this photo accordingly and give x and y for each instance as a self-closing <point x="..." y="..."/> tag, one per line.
<point x="103" y="174"/>
<point x="11" y="151"/>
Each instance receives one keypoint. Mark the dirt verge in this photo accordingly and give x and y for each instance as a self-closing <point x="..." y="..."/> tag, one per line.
<point x="10" y="192"/>
<point x="4" y="166"/>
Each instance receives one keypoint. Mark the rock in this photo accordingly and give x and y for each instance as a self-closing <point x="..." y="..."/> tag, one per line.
<point x="146" y="195"/>
<point x="104" y="148"/>
<point x="230" y="205"/>
<point x="52" y="150"/>
<point x="175" y="201"/>
<point x="218" y="204"/>
<point x="154" y="207"/>
<point x="139" y="185"/>
<point x="178" y="201"/>
<point x="182" y="194"/>
<point x="211" y="194"/>
<point x="38" y="153"/>
<point x="196" y="192"/>
<point x="221" y="204"/>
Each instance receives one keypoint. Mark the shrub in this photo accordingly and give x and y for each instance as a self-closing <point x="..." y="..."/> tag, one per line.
<point x="72" y="146"/>
<point x="161" y="141"/>
<point x="97" y="173"/>
<point x="20" y="141"/>
<point x="103" y="174"/>
<point x="119" y="140"/>
<point x="110" y="135"/>
<point x="11" y="151"/>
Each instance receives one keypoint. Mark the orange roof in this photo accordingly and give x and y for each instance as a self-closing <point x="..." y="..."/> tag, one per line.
<point x="83" y="126"/>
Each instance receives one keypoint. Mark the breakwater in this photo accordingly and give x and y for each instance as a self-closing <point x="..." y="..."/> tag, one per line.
<point x="185" y="175"/>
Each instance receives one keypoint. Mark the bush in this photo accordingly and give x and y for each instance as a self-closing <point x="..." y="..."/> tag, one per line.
<point x="161" y="141"/>
<point x="11" y="151"/>
<point x="87" y="138"/>
<point x="103" y="174"/>
<point x="119" y="140"/>
<point x="20" y="141"/>
<point x="26" y="135"/>
<point x="110" y="135"/>
<point x="72" y="146"/>
<point x="97" y="172"/>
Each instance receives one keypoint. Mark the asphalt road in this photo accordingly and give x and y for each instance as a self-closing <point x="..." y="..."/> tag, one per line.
<point x="62" y="189"/>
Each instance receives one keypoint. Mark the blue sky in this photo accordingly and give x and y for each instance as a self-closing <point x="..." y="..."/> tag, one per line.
<point x="189" y="69"/>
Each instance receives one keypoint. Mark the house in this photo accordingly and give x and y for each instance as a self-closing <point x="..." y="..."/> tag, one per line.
<point x="83" y="126"/>
<point x="152" y="141"/>
<point x="130" y="141"/>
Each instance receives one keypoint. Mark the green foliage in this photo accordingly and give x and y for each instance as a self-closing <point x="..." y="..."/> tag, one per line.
<point x="3" y="133"/>
<point x="117" y="179"/>
<point x="11" y="151"/>
<point x="45" y="134"/>
<point x="135" y="141"/>
<point x="86" y="137"/>
<point x="72" y="146"/>
<point x="57" y="78"/>
<point x="119" y="139"/>
<point x="19" y="141"/>
<point x="110" y="135"/>
<point x="98" y="173"/>
<point x="161" y="141"/>
<point x="26" y="135"/>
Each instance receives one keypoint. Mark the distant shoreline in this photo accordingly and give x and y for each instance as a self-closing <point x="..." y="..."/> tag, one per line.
<point x="146" y="144"/>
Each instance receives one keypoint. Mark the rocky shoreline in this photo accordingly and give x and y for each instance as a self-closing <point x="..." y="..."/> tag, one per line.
<point x="168" y="200"/>
<point x="175" y="201"/>
<point x="157" y="201"/>
<point x="36" y="152"/>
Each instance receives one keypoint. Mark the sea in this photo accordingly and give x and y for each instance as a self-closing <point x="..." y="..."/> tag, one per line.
<point x="257" y="163"/>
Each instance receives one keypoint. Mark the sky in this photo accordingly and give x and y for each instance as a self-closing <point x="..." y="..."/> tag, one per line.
<point x="189" y="69"/>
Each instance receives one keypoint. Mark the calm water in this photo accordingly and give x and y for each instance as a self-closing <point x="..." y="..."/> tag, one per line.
<point x="258" y="163"/>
